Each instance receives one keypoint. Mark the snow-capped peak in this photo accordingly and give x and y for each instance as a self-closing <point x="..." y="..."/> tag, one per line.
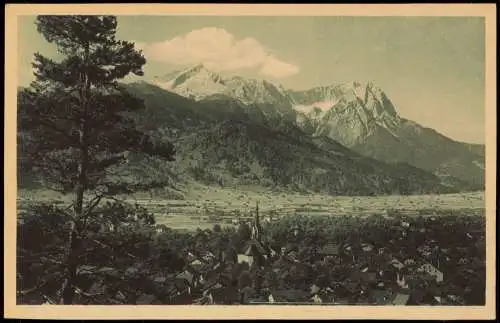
<point x="198" y="83"/>
<point x="195" y="82"/>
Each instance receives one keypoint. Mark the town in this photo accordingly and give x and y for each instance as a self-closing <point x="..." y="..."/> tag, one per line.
<point x="397" y="260"/>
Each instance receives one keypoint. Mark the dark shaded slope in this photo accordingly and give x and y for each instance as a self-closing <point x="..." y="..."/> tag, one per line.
<point x="427" y="149"/>
<point x="249" y="153"/>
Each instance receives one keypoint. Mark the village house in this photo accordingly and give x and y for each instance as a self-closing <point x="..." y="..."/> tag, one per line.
<point x="409" y="262"/>
<point x="161" y="228"/>
<point x="433" y="271"/>
<point x="329" y="251"/>
<point x="244" y="258"/>
<point x="366" y="247"/>
<point x="197" y="263"/>
<point x="396" y="264"/>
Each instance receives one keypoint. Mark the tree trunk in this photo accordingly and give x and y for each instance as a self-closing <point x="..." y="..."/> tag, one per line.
<point x="71" y="267"/>
<point x="74" y="241"/>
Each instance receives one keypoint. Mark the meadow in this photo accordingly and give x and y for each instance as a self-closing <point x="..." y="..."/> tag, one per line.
<point x="203" y="206"/>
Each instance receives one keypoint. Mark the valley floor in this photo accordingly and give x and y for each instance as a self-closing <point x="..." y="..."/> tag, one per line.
<point x="202" y="206"/>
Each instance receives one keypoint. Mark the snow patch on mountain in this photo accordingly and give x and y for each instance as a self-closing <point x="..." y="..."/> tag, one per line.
<point x="199" y="83"/>
<point x="307" y="108"/>
<point x="348" y="112"/>
<point x="196" y="83"/>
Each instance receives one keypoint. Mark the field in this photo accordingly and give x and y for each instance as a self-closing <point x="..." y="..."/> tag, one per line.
<point x="203" y="206"/>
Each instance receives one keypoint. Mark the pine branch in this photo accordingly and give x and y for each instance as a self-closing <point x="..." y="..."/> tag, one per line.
<point x="51" y="125"/>
<point x="93" y="203"/>
<point x="109" y="247"/>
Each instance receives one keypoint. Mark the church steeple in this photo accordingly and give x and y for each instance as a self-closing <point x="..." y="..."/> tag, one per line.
<point x="256" y="228"/>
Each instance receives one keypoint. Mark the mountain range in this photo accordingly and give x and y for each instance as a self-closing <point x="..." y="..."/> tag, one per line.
<point x="345" y="139"/>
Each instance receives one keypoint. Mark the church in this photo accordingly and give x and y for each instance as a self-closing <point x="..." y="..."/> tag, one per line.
<point x="256" y="250"/>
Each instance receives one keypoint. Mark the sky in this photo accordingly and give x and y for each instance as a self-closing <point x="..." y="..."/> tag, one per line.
<point x="432" y="68"/>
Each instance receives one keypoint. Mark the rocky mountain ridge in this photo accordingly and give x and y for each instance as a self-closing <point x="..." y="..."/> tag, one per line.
<point x="359" y="116"/>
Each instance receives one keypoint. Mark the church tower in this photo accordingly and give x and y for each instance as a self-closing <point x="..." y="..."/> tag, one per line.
<point x="256" y="228"/>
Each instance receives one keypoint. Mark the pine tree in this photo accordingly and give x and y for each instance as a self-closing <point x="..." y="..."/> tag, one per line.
<point x="77" y="120"/>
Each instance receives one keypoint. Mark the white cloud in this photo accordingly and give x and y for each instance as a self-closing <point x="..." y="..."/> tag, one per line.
<point x="217" y="49"/>
<point x="276" y="68"/>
